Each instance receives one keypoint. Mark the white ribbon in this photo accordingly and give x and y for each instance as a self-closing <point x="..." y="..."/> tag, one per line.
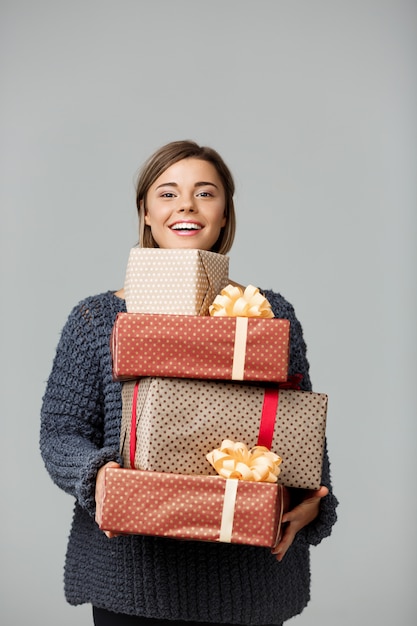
<point x="239" y="353"/>
<point x="228" y="513"/>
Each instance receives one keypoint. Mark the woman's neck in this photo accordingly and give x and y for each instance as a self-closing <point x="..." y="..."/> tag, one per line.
<point x="120" y="294"/>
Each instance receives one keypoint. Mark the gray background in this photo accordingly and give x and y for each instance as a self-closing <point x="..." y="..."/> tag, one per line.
<point x="312" y="104"/>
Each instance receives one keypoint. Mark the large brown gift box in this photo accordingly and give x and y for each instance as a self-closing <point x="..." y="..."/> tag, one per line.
<point x="170" y="424"/>
<point x="204" y="508"/>
<point x="179" y="282"/>
<point x="191" y="346"/>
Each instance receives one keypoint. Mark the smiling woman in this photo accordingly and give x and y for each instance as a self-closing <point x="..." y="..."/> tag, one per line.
<point x="192" y="186"/>
<point x="185" y="200"/>
<point x="185" y="207"/>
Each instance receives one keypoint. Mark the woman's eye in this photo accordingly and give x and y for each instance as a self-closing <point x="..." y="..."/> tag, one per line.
<point x="167" y="194"/>
<point x="205" y="194"/>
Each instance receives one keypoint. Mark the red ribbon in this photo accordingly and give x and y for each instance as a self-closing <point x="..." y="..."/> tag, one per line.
<point x="133" y="425"/>
<point x="270" y="409"/>
<point x="268" y="417"/>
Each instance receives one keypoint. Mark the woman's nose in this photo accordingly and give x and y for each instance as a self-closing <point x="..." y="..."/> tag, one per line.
<point x="187" y="205"/>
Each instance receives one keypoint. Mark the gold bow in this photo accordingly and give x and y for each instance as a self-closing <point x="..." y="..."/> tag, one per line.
<point x="234" y="460"/>
<point x="234" y="302"/>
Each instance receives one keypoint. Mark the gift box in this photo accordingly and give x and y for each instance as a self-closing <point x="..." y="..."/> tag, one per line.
<point x="182" y="282"/>
<point x="191" y="346"/>
<point x="204" y="508"/>
<point x="169" y="425"/>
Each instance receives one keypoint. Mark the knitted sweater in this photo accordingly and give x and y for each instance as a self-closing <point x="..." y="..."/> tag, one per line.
<point x="148" y="576"/>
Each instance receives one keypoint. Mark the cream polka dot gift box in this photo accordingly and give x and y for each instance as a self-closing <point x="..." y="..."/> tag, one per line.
<point x="204" y="508"/>
<point x="179" y="282"/>
<point x="192" y="346"/>
<point x="169" y="424"/>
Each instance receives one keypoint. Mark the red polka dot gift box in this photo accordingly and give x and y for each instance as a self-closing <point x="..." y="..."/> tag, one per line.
<point x="179" y="282"/>
<point x="169" y="425"/>
<point x="190" y="346"/>
<point x="204" y="508"/>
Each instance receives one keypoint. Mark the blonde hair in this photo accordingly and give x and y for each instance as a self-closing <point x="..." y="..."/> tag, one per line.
<point x="160" y="161"/>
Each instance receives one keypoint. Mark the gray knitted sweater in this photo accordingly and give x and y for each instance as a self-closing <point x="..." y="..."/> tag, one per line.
<point x="147" y="576"/>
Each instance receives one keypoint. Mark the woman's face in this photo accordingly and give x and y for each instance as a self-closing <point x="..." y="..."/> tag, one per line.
<point x="185" y="207"/>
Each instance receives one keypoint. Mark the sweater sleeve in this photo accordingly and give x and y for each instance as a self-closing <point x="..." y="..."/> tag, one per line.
<point x="72" y="414"/>
<point x="321" y="527"/>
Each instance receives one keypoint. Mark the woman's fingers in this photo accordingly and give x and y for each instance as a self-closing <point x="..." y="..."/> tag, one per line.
<point x="297" y="518"/>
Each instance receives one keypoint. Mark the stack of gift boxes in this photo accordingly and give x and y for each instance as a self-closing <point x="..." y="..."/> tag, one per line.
<point x="205" y="376"/>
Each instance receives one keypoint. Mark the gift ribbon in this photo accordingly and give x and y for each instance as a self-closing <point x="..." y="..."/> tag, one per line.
<point x="133" y="425"/>
<point x="270" y="409"/>
<point x="228" y="512"/>
<point x="239" y="352"/>
<point x="233" y="301"/>
<point x="268" y="417"/>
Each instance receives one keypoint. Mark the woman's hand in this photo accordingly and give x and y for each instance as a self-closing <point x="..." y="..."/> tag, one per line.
<point x="298" y="517"/>
<point x="99" y="495"/>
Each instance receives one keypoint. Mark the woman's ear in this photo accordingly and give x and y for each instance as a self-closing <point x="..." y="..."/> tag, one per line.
<point x="144" y="212"/>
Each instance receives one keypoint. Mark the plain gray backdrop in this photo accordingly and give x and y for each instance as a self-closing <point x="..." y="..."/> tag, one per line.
<point x="312" y="103"/>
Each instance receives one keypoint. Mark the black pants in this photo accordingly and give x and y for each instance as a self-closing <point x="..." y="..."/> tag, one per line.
<point x="108" y="618"/>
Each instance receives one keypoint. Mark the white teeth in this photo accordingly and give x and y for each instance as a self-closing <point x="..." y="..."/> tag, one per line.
<point x="186" y="226"/>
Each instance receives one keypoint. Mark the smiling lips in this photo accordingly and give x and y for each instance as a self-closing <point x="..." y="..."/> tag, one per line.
<point x="186" y="228"/>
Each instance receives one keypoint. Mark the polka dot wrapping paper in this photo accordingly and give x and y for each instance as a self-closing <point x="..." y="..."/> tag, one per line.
<point x="190" y="346"/>
<point x="179" y="282"/>
<point x="178" y="421"/>
<point x="193" y="507"/>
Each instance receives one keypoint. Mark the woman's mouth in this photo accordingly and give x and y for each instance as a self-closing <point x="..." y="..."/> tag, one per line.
<point x="186" y="228"/>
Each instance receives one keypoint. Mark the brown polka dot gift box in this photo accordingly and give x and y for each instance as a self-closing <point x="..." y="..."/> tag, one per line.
<point x="179" y="282"/>
<point x="191" y="346"/>
<point x="169" y="425"/>
<point x="204" y="508"/>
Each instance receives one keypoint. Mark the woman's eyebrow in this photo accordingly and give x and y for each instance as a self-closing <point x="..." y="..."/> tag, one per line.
<point x="202" y="183"/>
<point x="167" y="185"/>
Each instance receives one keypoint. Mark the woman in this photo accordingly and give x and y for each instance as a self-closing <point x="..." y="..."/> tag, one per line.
<point x="184" y="200"/>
